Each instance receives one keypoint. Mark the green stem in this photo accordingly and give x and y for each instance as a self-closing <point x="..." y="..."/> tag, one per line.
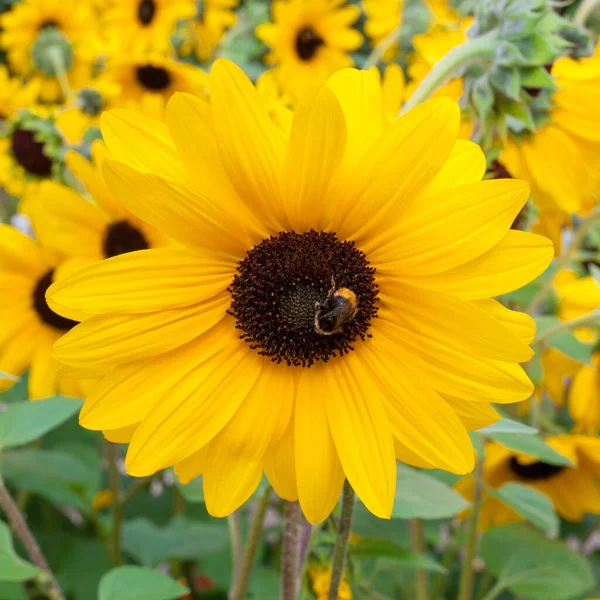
<point x="587" y="319"/>
<point x="237" y="551"/>
<point x="466" y="578"/>
<point x="442" y="579"/>
<point x="418" y="536"/>
<point x="386" y="43"/>
<point x="459" y="56"/>
<point x="338" y="562"/>
<point x="289" y="550"/>
<point x="61" y="73"/>
<point x="241" y="584"/>
<point x="494" y="592"/>
<point x="564" y="260"/>
<point x="586" y="8"/>
<point x="114" y="477"/>
<point x="22" y="531"/>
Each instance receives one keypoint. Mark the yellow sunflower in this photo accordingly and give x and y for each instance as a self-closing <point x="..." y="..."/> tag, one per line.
<point x="564" y="180"/>
<point x="574" y="491"/>
<point x="146" y="83"/>
<point x="24" y="28"/>
<point x="309" y="40"/>
<point x="144" y="25"/>
<point x="66" y="221"/>
<point x="330" y="308"/>
<point x="29" y="326"/>
<point x="277" y="103"/>
<point x="584" y="398"/>
<point x="320" y="578"/>
<point x="15" y="94"/>
<point x="383" y="17"/>
<point x="215" y="17"/>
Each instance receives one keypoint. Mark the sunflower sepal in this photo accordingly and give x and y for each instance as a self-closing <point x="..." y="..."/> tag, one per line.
<point x="52" y="52"/>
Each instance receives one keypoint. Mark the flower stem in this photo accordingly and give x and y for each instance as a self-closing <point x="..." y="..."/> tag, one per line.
<point x="460" y="55"/>
<point x="564" y="260"/>
<point x="466" y="578"/>
<point x="587" y="319"/>
<point x="289" y="550"/>
<point x="24" y="534"/>
<point x="237" y="551"/>
<point x="61" y="73"/>
<point x="386" y="43"/>
<point x="241" y="583"/>
<point x="114" y="477"/>
<point x="418" y="536"/>
<point x="586" y="8"/>
<point x="338" y="563"/>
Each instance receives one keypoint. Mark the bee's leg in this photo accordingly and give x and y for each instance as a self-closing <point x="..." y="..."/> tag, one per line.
<point x="332" y="289"/>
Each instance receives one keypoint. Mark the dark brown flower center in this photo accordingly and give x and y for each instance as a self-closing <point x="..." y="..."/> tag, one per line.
<point x="536" y="471"/>
<point x="307" y="43"/>
<point x="153" y="78"/>
<point x="45" y="313"/>
<point x="146" y="11"/>
<point x="278" y="285"/>
<point x="29" y="153"/>
<point x="122" y="237"/>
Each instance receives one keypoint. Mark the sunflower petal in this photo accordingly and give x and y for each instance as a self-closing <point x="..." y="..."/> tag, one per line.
<point x="278" y="466"/>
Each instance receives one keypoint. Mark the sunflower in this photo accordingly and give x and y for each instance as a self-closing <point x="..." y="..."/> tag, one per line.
<point x="228" y="356"/>
<point x="215" y="17"/>
<point x="277" y="103"/>
<point x="85" y="232"/>
<point x="584" y="398"/>
<point x="29" y="326"/>
<point x="383" y="17"/>
<point x="15" y="94"/>
<point x="32" y="26"/>
<point x="563" y="181"/>
<point x="573" y="490"/>
<point x="146" y="83"/>
<point x="309" y="40"/>
<point x="320" y="578"/>
<point x="29" y="153"/>
<point x="141" y="26"/>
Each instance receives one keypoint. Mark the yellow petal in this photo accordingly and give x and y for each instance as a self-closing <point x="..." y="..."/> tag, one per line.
<point x="194" y="411"/>
<point x="179" y="211"/>
<point x="521" y="324"/>
<point x="279" y="462"/>
<point x="120" y="436"/>
<point x="317" y="146"/>
<point x="19" y="254"/>
<point x="450" y="229"/>
<point x="396" y="170"/>
<point x="142" y="143"/>
<point x="192" y="466"/>
<point x="43" y="373"/>
<point x="419" y="417"/>
<point x="249" y="144"/>
<point x="449" y="322"/>
<point x="584" y="400"/>
<point x="107" y="340"/>
<point x="518" y="259"/>
<point x="361" y="432"/>
<point x="142" y="282"/>
<point x="319" y="473"/>
<point x="473" y="415"/>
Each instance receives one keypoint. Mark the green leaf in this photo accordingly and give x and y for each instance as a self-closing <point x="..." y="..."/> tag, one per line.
<point x="24" y="422"/>
<point x="182" y="538"/>
<point x="56" y="475"/>
<point x="420" y="496"/>
<point x="564" y="340"/>
<point x="403" y="558"/>
<point x="532" y="566"/>
<point x="531" y="504"/>
<point x="507" y="426"/>
<point x="12" y="591"/>
<point x="532" y="445"/>
<point x="12" y="566"/>
<point x="138" y="583"/>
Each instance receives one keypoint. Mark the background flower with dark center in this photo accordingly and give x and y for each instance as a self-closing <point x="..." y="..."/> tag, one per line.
<point x="309" y="40"/>
<point x="34" y="28"/>
<point x="29" y="326"/>
<point x="144" y="25"/>
<point x="31" y="151"/>
<point x="147" y="83"/>
<point x="215" y="347"/>
<point x="83" y="231"/>
<point x="573" y="490"/>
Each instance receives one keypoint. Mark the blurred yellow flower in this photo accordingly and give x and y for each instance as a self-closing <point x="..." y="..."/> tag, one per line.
<point x="584" y="398"/>
<point x="309" y="40"/>
<point x="209" y="26"/>
<point x="320" y="577"/>
<point x="382" y="18"/>
<point x="102" y="500"/>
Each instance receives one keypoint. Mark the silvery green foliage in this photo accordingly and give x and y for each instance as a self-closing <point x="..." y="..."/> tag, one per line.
<point x="510" y="90"/>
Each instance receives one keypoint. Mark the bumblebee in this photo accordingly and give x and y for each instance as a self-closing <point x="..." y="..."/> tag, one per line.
<point x="339" y="308"/>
